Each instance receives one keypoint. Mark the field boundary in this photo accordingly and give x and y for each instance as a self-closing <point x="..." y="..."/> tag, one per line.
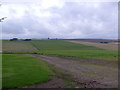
<point x="34" y="46"/>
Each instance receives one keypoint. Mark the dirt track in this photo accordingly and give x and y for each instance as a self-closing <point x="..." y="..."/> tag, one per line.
<point x="85" y="73"/>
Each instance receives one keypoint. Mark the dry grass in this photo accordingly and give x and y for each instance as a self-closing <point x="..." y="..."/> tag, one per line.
<point x="17" y="46"/>
<point x="109" y="46"/>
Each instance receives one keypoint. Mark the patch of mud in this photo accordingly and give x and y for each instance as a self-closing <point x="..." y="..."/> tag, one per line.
<point x="56" y="82"/>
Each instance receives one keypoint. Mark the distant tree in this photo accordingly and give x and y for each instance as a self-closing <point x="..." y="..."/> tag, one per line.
<point x="14" y="39"/>
<point x="48" y="38"/>
<point x="27" y="40"/>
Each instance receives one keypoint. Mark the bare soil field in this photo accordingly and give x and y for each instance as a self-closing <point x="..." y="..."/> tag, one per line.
<point x="86" y="74"/>
<point x="109" y="46"/>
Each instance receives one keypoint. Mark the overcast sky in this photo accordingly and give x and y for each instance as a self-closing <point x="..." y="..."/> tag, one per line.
<point x="60" y="19"/>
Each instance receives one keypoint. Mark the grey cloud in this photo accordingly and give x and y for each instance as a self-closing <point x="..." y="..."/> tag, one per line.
<point x="94" y="16"/>
<point x="13" y="27"/>
<point x="65" y="22"/>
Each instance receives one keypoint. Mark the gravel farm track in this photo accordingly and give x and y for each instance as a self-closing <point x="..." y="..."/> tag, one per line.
<point x="83" y="73"/>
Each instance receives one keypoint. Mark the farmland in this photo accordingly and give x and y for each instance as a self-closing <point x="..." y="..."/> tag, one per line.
<point x="17" y="46"/>
<point x="83" y="62"/>
<point x="109" y="46"/>
<point x="59" y="47"/>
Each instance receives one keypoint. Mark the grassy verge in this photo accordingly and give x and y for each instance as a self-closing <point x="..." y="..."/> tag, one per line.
<point x="107" y="55"/>
<point x="21" y="70"/>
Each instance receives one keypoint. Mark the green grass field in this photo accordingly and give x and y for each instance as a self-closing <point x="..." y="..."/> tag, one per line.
<point x="21" y="70"/>
<point x="59" y="47"/>
<point x="85" y="54"/>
